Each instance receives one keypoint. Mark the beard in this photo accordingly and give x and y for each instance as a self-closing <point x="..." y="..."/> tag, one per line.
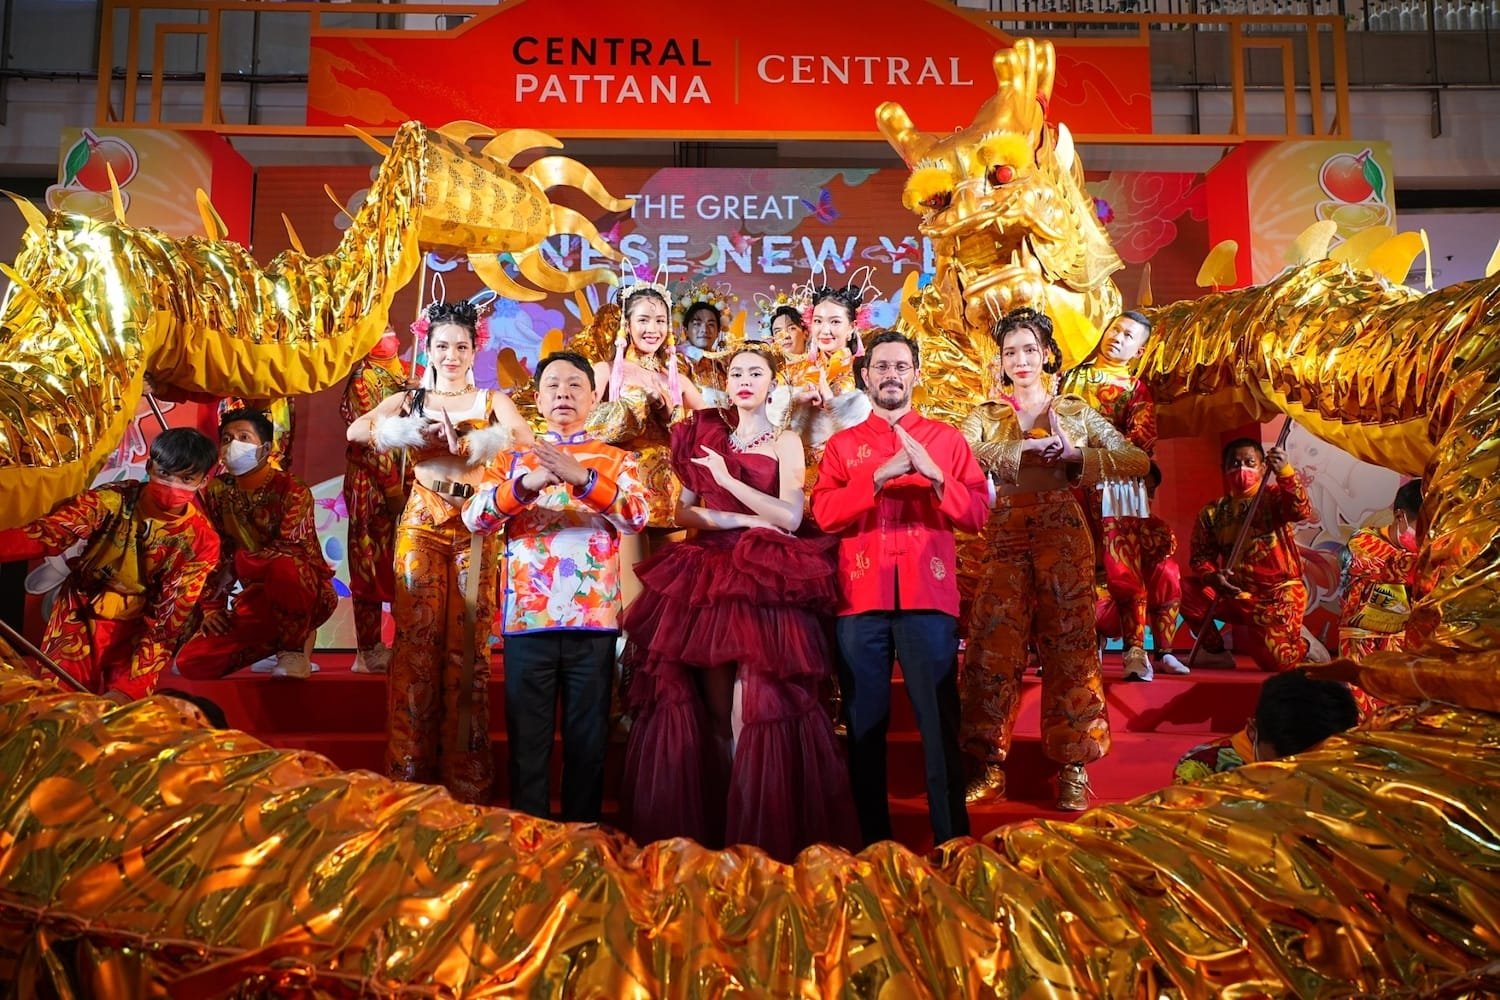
<point x="887" y="403"/>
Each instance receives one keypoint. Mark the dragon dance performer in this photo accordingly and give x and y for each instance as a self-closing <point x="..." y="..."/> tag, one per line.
<point x="129" y="596"/>
<point x="374" y="496"/>
<point x="1264" y="591"/>
<point x="438" y="696"/>
<point x="730" y="743"/>
<point x="1118" y="515"/>
<point x="1157" y="547"/>
<point x="1039" y="563"/>
<point x="1378" y="578"/>
<point x="561" y="509"/>
<point x="268" y="544"/>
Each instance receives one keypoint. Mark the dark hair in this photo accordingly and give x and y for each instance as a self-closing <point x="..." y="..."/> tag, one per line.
<point x="211" y="711"/>
<point x="698" y="307"/>
<point x="1236" y="445"/>
<point x="791" y="313"/>
<point x="640" y="295"/>
<point x="460" y="313"/>
<point x="1153" y="475"/>
<point x="849" y="297"/>
<point x="1409" y="498"/>
<point x="892" y="337"/>
<point x="1136" y="317"/>
<point x="1297" y="712"/>
<point x="760" y="349"/>
<point x="570" y="357"/>
<point x="183" y="451"/>
<point x="264" y="429"/>
<point x="1026" y="318"/>
<point x="631" y="299"/>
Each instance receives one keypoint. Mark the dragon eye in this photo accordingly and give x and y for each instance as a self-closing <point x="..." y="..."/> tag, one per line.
<point x="939" y="201"/>
<point x="1004" y="173"/>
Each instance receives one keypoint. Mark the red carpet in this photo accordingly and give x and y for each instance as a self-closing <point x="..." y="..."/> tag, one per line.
<point x="342" y="715"/>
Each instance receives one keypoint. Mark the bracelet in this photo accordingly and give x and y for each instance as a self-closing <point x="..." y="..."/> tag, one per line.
<point x="588" y="484"/>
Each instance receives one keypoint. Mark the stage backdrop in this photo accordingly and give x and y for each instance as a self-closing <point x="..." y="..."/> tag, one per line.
<point x="742" y="232"/>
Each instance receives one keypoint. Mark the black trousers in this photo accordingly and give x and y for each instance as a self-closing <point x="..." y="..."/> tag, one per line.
<point x="578" y="665"/>
<point x="926" y="644"/>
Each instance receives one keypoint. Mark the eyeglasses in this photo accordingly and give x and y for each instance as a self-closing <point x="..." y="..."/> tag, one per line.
<point x="893" y="367"/>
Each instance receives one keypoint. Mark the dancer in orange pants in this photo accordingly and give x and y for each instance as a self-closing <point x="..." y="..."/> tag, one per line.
<point x="437" y="720"/>
<point x="1161" y="599"/>
<point x="1039" y="566"/>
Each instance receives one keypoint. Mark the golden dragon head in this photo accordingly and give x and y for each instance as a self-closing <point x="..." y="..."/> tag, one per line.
<point x="1003" y="201"/>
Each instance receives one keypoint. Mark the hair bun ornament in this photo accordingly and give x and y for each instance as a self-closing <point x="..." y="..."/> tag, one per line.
<point x="721" y="297"/>
<point x="769" y="303"/>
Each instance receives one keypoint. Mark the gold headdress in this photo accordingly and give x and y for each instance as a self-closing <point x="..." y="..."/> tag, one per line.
<point x="630" y="285"/>
<point x="721" y="297"/>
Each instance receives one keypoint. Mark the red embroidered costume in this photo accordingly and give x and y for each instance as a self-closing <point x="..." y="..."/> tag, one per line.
<point x="129" y="596"/>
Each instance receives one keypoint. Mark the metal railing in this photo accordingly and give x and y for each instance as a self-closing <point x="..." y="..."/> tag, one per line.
<point x="1303" y="57"/>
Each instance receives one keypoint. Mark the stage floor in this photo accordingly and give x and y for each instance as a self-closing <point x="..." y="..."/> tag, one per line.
<point x="341" y="715"/>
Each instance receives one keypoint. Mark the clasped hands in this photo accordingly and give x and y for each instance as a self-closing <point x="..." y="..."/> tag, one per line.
<point x="911" y="458"/>
<point x="557" y="467"/>
<point x="1054" y="449"/>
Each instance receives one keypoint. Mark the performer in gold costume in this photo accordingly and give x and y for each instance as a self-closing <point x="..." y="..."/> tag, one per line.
<point x="1038" y="581"/>
<point x="438" y="697"/>
<point x="642" y="393"/>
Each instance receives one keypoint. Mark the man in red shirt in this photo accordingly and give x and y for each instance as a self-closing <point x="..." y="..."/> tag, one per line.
<point x="894" y="489"/>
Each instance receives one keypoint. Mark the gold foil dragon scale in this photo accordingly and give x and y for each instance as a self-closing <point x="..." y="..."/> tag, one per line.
<point x="96" y="307"/>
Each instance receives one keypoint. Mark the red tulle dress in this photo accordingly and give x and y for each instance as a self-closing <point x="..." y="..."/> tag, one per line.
<point x="759" y="599"/>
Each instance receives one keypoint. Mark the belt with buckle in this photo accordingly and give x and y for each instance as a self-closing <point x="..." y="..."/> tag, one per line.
<point x="461" y="490"/>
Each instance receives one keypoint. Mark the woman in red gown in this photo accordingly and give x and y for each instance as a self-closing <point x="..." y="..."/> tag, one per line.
<point x="729" y="641"/>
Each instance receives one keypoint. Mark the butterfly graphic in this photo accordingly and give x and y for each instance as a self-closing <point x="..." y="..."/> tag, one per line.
<point x="612" y="235"/>
<point x="335" y="505"/>
<point x="823" y="211"/>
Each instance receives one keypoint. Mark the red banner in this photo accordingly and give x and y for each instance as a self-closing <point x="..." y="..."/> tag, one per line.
<point x="670" y="70"/>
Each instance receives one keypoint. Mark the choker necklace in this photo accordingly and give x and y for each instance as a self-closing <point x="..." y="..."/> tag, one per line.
<point x="755" y="442"/>
<point x="452" y="392"/>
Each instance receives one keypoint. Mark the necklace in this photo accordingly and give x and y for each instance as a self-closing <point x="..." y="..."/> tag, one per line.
<point x="742" y="446"/>
<point x="452" y="392"/>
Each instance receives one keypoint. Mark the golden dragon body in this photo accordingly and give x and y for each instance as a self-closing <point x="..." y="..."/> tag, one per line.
<point x="169" y="859"/>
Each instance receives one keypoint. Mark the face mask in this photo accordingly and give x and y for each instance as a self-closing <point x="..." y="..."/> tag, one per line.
<point x="239" y="457"/>
<point x="1408" y="539"/>
<point x="169" y="497"/>
<point x="1242" y="481"/>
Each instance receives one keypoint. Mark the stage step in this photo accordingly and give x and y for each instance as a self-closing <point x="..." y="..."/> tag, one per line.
<point x="341" y="715"/>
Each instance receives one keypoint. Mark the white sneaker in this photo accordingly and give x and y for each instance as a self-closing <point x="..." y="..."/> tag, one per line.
<point x="1169" y="664"/>
<point x="292" y="663"/>
<point x="1316" y="651"/>
<point x="375" y="660"/>
<point x="1222" y="660"/>
<point x="264" y="665"/>
<point x="1137" y="665"/>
